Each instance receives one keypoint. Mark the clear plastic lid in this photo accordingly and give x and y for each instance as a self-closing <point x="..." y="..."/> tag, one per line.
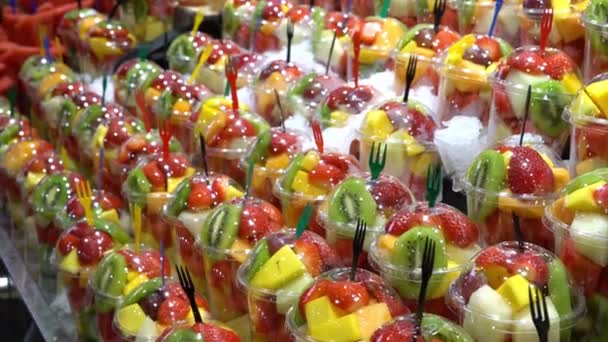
<point x="47" y="162"/>
<point x="587" y="109"/>
<point x="334" y="304"/>
<point x="307" y="94"/>
<point x="132" y="76"/>
<point x="379" y="37"/>
<point x="346" y="101"/>
<point x="198" y="332"/>
<point x="433" y="328"/>
<point x="50" y="196"/>
<point x="105" y="206"/>
<point x="274" y="150"/>
<point x="136" y="147"/>
<point x="36" y="69"/>
<point x="491" y="295"/>
<point x="276" y="77"/>
<point x="85" y="124"/>
<point x="185" y="49"/>
<point x="360" y="197"/>
<point x="64" y="113"/>
<point x="110" y="39"/>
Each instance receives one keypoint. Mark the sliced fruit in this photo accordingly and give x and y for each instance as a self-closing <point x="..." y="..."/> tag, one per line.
<point x="487" y="315"/>
<point x="221" y="227"/>
<point x="515" y="291"/>
<point x="130" y="318"/>
<point x="589" y="232"/>
<point x="70" y="263"/>
<point x="345" y="328"/>
<point x="583" y="199"/>
<point x="282" y="267"/>
<point x="352" y="201"/>
<point x="486" y="175"/>
<point x="371" y="318"/>
<point x="321" y="310"/>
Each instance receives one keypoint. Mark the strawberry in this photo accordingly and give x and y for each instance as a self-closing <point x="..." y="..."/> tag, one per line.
<point x="236" y="128"/>
<point x="444" y="38"/>
<point x="147" y="262"/>
<point x="254" y="224"/>
<point x="348" y="296"/>
<point x="532" y="267"/>
<point x="494" y="255"/>
<point x="92" y="247"/>
<point x="215" y="333"/>
<point x="585" y="272"/>
<point x="501" y="100"/>
<point x="281" y="142"/>
<point x="155" y="175"/>
<point x="309" y="254"/>
<point x="345" y="163"/>
<point x="200" y="196"/>
<point x="327" y="255"/>
<point x="402" y="330"/>
<point x="326" y="175"/>
<point x="298" y="13"/>
<point x="527" y="61"/>
<point x="222" y="274"/>
<point x="490" y="46"/>
<point x="389" y="193"/>
<point x="173" y="310"/>
<point x="174" y="290"/>
<point x="558" y="64"/>
<point x="600" y="195"/>
<point x="404" y="220"/>
<point x="74" y="208"/>
<point x="457" y="228"/>
<point x="175" y="165"/>
<point x="67" y="242"/>
<point x="317" y="290"/>
<point x="370" y="30"/>
<point x="529" y="173"/>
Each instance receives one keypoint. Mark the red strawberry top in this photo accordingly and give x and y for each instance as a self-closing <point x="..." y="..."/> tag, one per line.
<point x="157" y="170"/>
<point x="531" y="60"/>
<point x="351" y="99"/>
<point x="206" y="331"/>
<point x="137" y="146"/>
<point x="341" y="22"/>
<point x="68" y="89"/>
<point x="258" y="219"/>
<point x="120" y="129"/>
<point x="299" y="13"/>
<point x="412" y="117"/>
<point x="317" y="87"/>
<point x="115" y="32"/>
<point x="147" y="261"/>
<point x="437" y="42"/>
<point x="530" y="172"/>
<point x="275" y="10"/>
<point x="289" y="71"/>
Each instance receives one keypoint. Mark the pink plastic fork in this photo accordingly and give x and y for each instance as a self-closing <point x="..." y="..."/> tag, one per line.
<point x="231" y="75"/>
<point x="318" y="135"/>
<point x="166" y="132"/>
<point x="545" y="28"/>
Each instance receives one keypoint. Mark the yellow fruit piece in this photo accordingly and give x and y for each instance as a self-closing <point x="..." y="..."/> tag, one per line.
<point x="424" y="52"/>
<point x="239" y="250"/>
<point x="132" y="275"/>
<point x="259" y="177"/>
<point x="339" y="118"/>
<point x="214" y="126"/>
<point x="572" y="83"/>
<point x="455" y="52"/>
<point x="152" y="95"/>
<point x="409" y="47"/>
<point x="560" y="6"/>
<point x="282" y="267"/>
<point x="546" y="159"/>
<point x="522" y="209"/>
<point x="155" y="201"/>
<point x="181" y="105"/>
<point x="412" y="147"/>
<point x="302" y="184"/>
<point x="599" y="92"/>
<point x="583" y="199"/>
<point x="130" y="318"/>
<point x="134" y="283"/>
<point x="310" y="160"/>
<point x="590" y="165"/>
<point x="377" y="125"/>
<point x="496" y="275"/>
<point x="387" y="241"/>
<point x="100" y="136"/>
<point x="268" y="28"/>
<point x="372" y="317"/>
<point x="446" y="280"/>
<point x="110" y="215"/>
<point x="580" y="6"/>
<point x="422" y="163"/>
<point x="506" y="156"/>
<point x="343" y="329"/>
<point x="33" y="178"/>
<point x="561" y="177"/>
<point x="173" y="182"/>
<point x="70" y="262"/>
<point x="86" y="23"/>
<point x="50" y="82"/>
<point x="279" y="162"/>
<point x="515" y="291"/>
<point x="101" y="47"/>
<point x="570" y="26"/>
<point x="491" y="68"/>
<point x="232" y="193"/>
<point x="321" y="310"/>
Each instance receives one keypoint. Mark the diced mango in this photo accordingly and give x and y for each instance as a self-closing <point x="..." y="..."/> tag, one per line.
<point x="420" y="51"/>
<point x="321" y="310"/>
<point x="561" y="212"/>
<point x="310" y="160"/>
<point x="515" y="291"/>
<point x="33" y="178"/>
<point x="130" y="318"/>
<point x="387" y="241"/>
<point x="583" y="199"/>
<point x="523" y="209"/>
<point x="590" y="165"/>
<point x="173" y="182"/>
<point x="339" y="118"/>
<point x="132" y="275"/>
<point x="599" y="92"/>
<point x="70" y="262"/>
<point x="100" y="136"/>
<point x="152" y="94"/>
<point x="569" y="26"/>
<point x="561" y="177"/>
<point x="232" y="193"/>
<point x="422" y="163"/>
<point x="278" y="162"/>
<point x="50" y="82"/>
<point x="110" y="215"/>
<point x="372" y="317"/>
<point x="239" y="249"/>
<point x="377" y="125"/>
<point x="496" y="275"/>
<point x="455" y="52"/>
<point x="343" y="329"/>
<point x="134" y="283"/>
<point x="282" y="267"/>
<point x="102" y="48"/>
<point x="302" y="184"/>
<point x="412" y="147"/>
<point x="571" y="83"/>
<point x="409" y="47"/>
<point x="182" y="106"/>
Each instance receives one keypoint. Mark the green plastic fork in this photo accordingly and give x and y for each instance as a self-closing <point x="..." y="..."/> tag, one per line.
<point x="434" y="178"/>
<point x="377" y="161"/>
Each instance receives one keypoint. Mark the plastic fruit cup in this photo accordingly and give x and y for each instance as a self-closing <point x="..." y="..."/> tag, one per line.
<point x="306" y="95"/>
<point x="434" y="328"/>
<point x="292" y="204"/>
<point x="147" y="19"/>
<point x="277" y="76"/>
<point x="132" y="76"/>
<point x="490" y="298"/>
<point x="426" y="72"/>
<point x="403" y="10"/>
<point x="206" y="331"/>
<point x="596" y="52"/>
<point x="424" y="10"/>
<point x="303" y="258"/>
<point x="476" y="17"/>
<point x="80" y="298"/>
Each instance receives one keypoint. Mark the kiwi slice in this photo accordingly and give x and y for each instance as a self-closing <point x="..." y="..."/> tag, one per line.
<point x="230" y="19"/>
<point x="184" y="335"/>
<point x="138" y="185"/>
<point x="559" y="292"/>
<point x="113" y="229"/>
<point x="164" y="105"/>
<point x="487" y="172"/>
<point x="67" y="112"/>
<point x="258" y="122"/>
<point x="180" y="198"/>
<point x="51" y="196"/>
<point x="221" y="226"/>
<point x="546" y="107"/>
<point x="142" y="291"/>
<point x="411" y="34"/>
<point x="408" y="252"/>
<point x="588" y="178"/>
<point x="352" y="201"/>
<point x="302" y="84"/>
<point x="290" y="173"/>
<point x="262" y="255"/>
<point x="8" y="134"/>
<point x="181" y="54"/>
<point x="88" y="118"/>
<point x="109" y="279"/>
<point x="437" y="327"/>
<point x="261" y="146"/>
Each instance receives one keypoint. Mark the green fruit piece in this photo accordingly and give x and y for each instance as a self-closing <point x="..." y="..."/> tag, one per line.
<point x="113" y="229"/>
<point x="181" y="54"/>
<point x="408" y="252"/>
<point x="142" y="291"/>
<point x="261" y="255"/>
<point x="109" y="280"/>
<point x="9" y="133"/>
<point x="288" y="295"/>
<point x="88" y="118"/>
<point x="261" y="147"/>
<point x="179" y="201"/>
<point x="559" y="292"/>
<point x="221" y="227"/>
<point x="443" y="330"/>
<point x="67" y="112"/>
<point x="318" y="19"/>
<point x="598" y="313"/>
<point x="505" y="47"/>
<point x="352" y="201"/>
<point x="411" y="34"/>
<point x="140" y="10"/>
<point x="257" y="121"/>
<point x="587" y="179"/>
<point x="164" y="105"/>
<point x="230" y="19"/>
<point x="325" y="116"/>
<point x="138" y="186"/>
<point x="302" y="84"/>
<point x="290" y="173"/>
<point x="34" y="69"/>
<point x="546" y="106"/>
<point x="51" y="196"/>
<point x="486" y="174"/>
<point x="183" y="335"/>
<point x="257" y="14"/>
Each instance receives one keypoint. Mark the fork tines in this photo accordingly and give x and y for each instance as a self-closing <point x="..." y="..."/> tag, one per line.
<point x="185" y="280"/>
<point x="434" y="179"/>
<point x="358" y="241"/>
<point x="377" y="161"/>
<point x="539" y="312"/>
<point x="438" y="11"/>
<point x="85" y="197"/>
<point x="546" y="23"/>
<point x="290" y="29"/>
<point x="410" y="73"/>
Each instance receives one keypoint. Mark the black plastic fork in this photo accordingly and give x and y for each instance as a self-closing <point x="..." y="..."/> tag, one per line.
<point x="438" y="11"/>
<point x="185" y="281"/>
<point x="539" y="312"/>
<point x="290" y="29"/>
<point x="410" y="73"/>
<point x="358" y="241"/>
<point x="428" y="261"/>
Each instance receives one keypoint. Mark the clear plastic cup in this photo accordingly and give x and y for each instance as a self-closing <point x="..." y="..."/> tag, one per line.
<point x="147" y="19"/>
<point x="54" y="107"/>
<point x="304" y="258"/>
<point x="239" y="228"/>
<point x="450" y="18"/>
<point x="373" y="201"/>
<point x="325" y="25"/>
<point x="306" y="95"/>
<point x="403" y="10"/>
<point x="393" y="253"/>
<point x="40" y="75"/>
<point x="132" y="76"/>
<point x="596" y="54"/>
<point x="237" y="19"/>
<point x="553" y="87"/>
<point x="72" y="28"/>
<point x="476" y="17"/>
<point x="581" y="245"/>
<point x="345" y="104"/>
<point x="185" y="49"/>
<point x="296" y="189"/>
<point x="499" y="185"/>
<point x="463" y="70"/>
<point x="106" y="42"/>
<point x="433" y="327"/>
<point x="334" y="304"/>
<point x="491" y="294"/>
<point x="200" y="331"/>
<point x="276" y="77"/>
<point x="106" y="206"/>
<point x="45" y="163"/>
<point x="407" y="130"/>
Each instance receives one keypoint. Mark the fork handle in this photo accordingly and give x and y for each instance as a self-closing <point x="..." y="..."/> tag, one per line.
<point x="195" y="312"/>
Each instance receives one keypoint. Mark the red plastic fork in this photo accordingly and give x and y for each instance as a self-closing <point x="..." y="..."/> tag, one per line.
<point x="318" y="135"/>
<point x="356" y="52"/>
<point x="141" y="103"/>
<point x="166" y="132"/>
<point x="545" y="28"/>
<point x="231" y="75"/>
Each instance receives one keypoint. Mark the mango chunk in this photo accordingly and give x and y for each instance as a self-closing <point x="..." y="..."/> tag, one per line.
<point x="321" y="310"/>
<point x="282" y="267"/>
<point x="343" y="329"/>
<point x="70" y="262"/>
<point x="134" y="283"/>
<point x="561" y="177"/>
<point x="130" y="318"/>
<point x="387" y="241"/>
<point x="522" y="209"/>
<point x="371" y="317"/>
<point x="278" y="162"/>
<point x="583" y="199"/>
<point x="310" y="160"/>
<point x="599" y="92"/>
<point x="239" y="249"/>
<point x="302" y="184"/>
<point x="377" y="124"/>
<point x="515" y="291"/>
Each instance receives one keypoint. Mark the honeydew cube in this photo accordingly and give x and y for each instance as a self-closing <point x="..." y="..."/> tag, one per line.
<point x="487" y="316"/>
<point x="343" y="329"/>
<point x="371" y="317"/>
<point x="282" y="267"/>
<point x="524" y="330"/>
<point x="320" y="310"/>
<point x="147" y="331"/>
<point x="583" y="199"/>
<point x="589" y="232"/>
<point x="515" y="291"/>
<point x="130" y="319"/>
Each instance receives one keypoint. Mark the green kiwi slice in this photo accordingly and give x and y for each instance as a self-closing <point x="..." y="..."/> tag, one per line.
<point x="180" y="199"/>
<point x="352" y="201"/>
<point x="113" y="229"/>
<point x="221" y="227"/>
<point x="51" y="196"/>
<point x="559" y="292"/>
<point x="302" y="84"/>
<point x="88" y="118"/>
<point x="408" y="252"/>
<point x="411" y="34"/>
<point x="164" y="106"/>
<point x="181" y="54"/>
<point x="546" y="107"/>
<point x="142" y="290"/>
<point x="140" y="10"/>
<point x="261" y="146"/>
<point x="486" y="174"/>
<point x="587" y="179"/>
<point x="184" y="335"/>
<point x="290" y="173"/>
<point x="437" y="327"/>
<point x="138" y="186"/>
<point x="262" y="255"/>
<point x="9" y="133"/>
<point x="109" y="280"/>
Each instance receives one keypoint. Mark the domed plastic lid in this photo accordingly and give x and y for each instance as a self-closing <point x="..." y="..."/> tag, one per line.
<point x="433" y="328"/>
<point x="197" y="332"/>
<point x="346" y="101"/>
<point x="274" y="150"/>
<point x="588" y="108"/>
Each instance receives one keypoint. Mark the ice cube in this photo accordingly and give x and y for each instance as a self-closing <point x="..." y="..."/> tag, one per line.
<point x="96" y="87"/>
<point x="424" y="94"/>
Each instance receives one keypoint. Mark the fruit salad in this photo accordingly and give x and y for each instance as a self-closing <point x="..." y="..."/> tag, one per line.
<point x="238" y="20"/>
<point x="433" y="328"/>
<point x="463" y="84"/>
<point x="515" y="180"/>
<point x="151" y="306"/>
<point x="306" y="95"/>
<point x="132" y="76"/>
<point x="188" y="207"/>
<point x="108" y="40"/>
<point x="475" y="16"/>
<point x="336" y="308"/>
<point x="228" y="135"/>
<point x="119" y="273"/>
<point x="147" y="19"/>
<point x="149" y="186"/>
<point x="55" y="111"/>
<point x="554" y="79"/>
<point x="596" y="53"/>
<point x="422" y="41"/>
<point x="277" y="76"/>
<point x="425" y="13"/>
<point x="79" y="250"/>
<point x="567" y="31"/>
<point x="279" y="269"/>
<point x="491" y="295"/>
<point x="373" y="201"/>
<point x="379" y="37"/>
<point x="184" y="51"/>
<point x="308" y="179"/>
<point x="403" y="10"/>
<point x="408" y="130"/>
<point x="206" y="331"/>
<point x="578" y="222"/>
<point x="271" y="155"/>
<point x="345" y="104"/>
<point x="105" y="205"/>
<point x="72" y="29"/>
<point x="397" y="252"/>
<point x="589" y="127"/>
<point x="326" y="24"/>
<point x="228" y="235"/>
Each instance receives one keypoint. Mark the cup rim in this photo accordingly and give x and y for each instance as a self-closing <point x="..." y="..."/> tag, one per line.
<point x="555" y="225"/>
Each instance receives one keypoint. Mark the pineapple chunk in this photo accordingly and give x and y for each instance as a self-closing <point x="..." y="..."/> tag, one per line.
<point x="387" y="241"/>
<point x="279" y="162"/>
<point x="343" y="329"/>
<point x="134" y="283"/>
<point x="377" y="124"/>
<point x="70" y="263"/>
<point x="583" y="199"/>
<point x="321" y="310"/>
<point x="515" y="291"/>
<point x="310" y="161"/>
<point x="302" y="185"/>
<point x="282" y="267"/>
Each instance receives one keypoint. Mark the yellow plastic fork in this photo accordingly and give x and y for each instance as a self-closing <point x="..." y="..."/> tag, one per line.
<point x="136" y="220"/>
<point x="85" y="197"/>
<point x="204" y="57"/>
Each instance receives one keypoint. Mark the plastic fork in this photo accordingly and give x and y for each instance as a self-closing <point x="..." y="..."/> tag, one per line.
<point x="231" y="75"/>
<point x="546" y="23"/>
<point x="434" y="177"/>
<point x="290" y="29"/>
<point x="539" y="312"/>
<point x="201" y="61"/>
<point x="185" y="280"/>
<point x="165" y="131"/>
<point x="518" y="234"/>
<point x="497" y="7"/>
<point x="358" y="241"/>
<point x="410" y="73"/>
<point x="438" y="11"/>
<point x="141" y="104"/>
<point x="318" y="135"/>
<point x="428" y="262"/>
<point x="135" y="211"/>
<point x="281" y="111"/>
<point x="85" y="197"/>
<point x="376" y="160"/>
